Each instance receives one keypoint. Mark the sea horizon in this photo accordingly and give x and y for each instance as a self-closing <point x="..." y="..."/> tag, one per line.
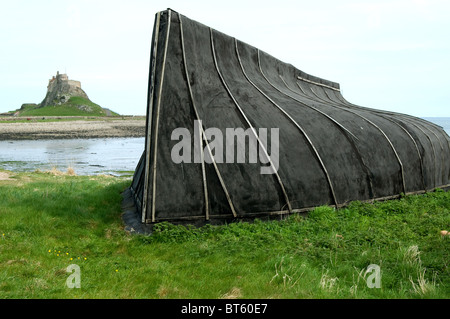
<point x="442" y="121"/>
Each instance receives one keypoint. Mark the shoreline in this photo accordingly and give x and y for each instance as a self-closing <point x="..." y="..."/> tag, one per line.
<point x="39" y="128"/>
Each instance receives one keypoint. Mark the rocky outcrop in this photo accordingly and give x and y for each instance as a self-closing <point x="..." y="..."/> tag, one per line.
<point x="60" y="89"/>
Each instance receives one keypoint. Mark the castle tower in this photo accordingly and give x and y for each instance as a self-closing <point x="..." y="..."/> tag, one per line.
<point x="60" y="89"/>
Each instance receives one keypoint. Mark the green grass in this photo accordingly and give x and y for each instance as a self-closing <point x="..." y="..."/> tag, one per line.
<point x="24" y="119"/>
<point x="67" y="109"/>
<point x="49" y="119"/>
<point x="48" y="222"/>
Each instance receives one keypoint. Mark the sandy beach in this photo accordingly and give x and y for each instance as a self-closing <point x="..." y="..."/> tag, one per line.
<point x="36" y="128"/>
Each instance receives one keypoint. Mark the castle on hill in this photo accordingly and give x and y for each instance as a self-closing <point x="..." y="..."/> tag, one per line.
<point x="60" y="89"/>
<point x="63" y="92"/>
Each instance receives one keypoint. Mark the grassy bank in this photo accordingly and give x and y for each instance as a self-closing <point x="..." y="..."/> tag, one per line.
<point x="49" y="221"/>
<point x="40" y="119"/>
<point x="75" y="106"/>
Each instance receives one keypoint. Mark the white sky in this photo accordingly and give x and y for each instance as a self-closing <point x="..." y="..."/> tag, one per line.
<point x="392" y="55"/>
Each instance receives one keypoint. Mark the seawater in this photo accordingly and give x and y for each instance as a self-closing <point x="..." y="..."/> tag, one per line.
<point x="90" y="156"/>
<point x="444" y="122"/>
<point x="86" y="156"/>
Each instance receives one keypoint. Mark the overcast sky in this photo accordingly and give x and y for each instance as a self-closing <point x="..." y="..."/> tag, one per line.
<point x="392" y="55"/>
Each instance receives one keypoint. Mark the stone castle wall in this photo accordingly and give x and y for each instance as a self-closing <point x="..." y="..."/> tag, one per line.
<point x="74" y="83"/>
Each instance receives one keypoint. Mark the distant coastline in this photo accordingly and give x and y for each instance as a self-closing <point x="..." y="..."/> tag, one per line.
<point x="33" y="128"/>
